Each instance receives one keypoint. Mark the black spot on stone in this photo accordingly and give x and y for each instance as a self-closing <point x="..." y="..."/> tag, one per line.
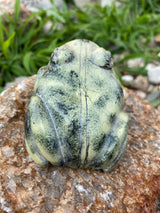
<point x="73" y="133"/>
<point x="101" y="102"/>
<point x="99" y="83"/>
<point x="61" y="163"/>
<point x="96" y="163"/>
<point x="73" y="74"/>
<point x="111" y="139"/>
<point x="112" y="118"/>
<point x="51" y="144"/>
<point x="72" y="139"/>
<point x="121" y="91"/>
<point x="60" y="92"/>
<point x="52" y="63"/>
<point x="70" y="58"/>
<point x="73" y="79"/>
<point x="68" y="161"/>
<point x="106" y="66"/>
<point x="54" y="58"/>
<point x="75" y="127"/>
<point x="118" y="95"/>
<point x="52" y="92"/>
<point x="100" y="143"/>
<point x="106" y="97"/>
<point x="53" y="73"/>
<point x="27" y="124"/>
<point x="62" y="107"/>
<point x="110" y="156"/>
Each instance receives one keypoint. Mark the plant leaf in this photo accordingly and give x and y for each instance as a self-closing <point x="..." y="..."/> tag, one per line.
<point x="6" y="45"/>
<point x="27" y="62"/>
<point x="16" y="10"/>
<point x="1" y="32"/>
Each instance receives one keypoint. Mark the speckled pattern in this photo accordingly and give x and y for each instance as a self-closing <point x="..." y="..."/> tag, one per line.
<point x="133" y="186"/>
<point x="75" y="116"/>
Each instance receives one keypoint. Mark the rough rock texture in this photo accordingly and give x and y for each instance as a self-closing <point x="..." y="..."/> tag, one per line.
<point x="7" y="6"/>
<point x="133" y="186"/>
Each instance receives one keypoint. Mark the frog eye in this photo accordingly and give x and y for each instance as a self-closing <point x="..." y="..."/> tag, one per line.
<point x="61" y="56"/>
<point x="102" y="58"/>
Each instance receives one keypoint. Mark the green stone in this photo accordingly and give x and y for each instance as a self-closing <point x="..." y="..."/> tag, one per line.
<point x="74" y="117"/>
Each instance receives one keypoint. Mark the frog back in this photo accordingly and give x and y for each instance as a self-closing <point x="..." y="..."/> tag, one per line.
<point x="75" y="102"/>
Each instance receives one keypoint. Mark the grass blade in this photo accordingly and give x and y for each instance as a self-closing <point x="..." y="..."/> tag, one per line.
<point x="26" y="62"/>
<point x="16" y="10"/>
<point x="6" y="45"/>
<point x="1" y="32"/>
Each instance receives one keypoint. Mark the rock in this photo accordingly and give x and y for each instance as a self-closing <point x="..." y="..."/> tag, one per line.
<point x="127" y="78"/>
<point x="140" y="93"/>
<point x="154" y="95"/>
<point x="18" y="79"/>
<point x="82" y="4"/>
<point x="151" y="88"/>
<point x="106" y="2"/>
<point x="157" y="39"/>
<point x="133" y="186"/>
<point x="109" y="2"/>
<point x="136" y="62"/>
<point x="140" y="83"/>
<point x="44" y="4"/>
<point x="47" y="26"/>
<point x="7" y="6"/>
<point x="153" y="73"/>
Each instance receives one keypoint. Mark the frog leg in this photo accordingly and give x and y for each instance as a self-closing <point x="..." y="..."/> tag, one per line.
<point x="114" y="144"/>
<point x="30" y="143"/>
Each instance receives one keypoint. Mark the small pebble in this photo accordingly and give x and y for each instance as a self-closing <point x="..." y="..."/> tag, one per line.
<point x="8" y="151"/>
<point x="153" y="73"/>
<point x="141" y="94"/>
<point x="136" y="62"/>
<point x="127" y="78"/>
<point x="157" y="39"/>
<point x="140" y="83"/>
<point x="47" y="26"/>
<point x="150" y="88"/>
<point x="153" y="96"/>
<point x="121" y="56"/>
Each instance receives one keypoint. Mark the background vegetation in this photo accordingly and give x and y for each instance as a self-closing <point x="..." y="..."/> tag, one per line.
<point x="130" y="27"/>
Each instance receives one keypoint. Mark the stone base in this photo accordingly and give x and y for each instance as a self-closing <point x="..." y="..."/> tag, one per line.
<point x="133" y="186"/>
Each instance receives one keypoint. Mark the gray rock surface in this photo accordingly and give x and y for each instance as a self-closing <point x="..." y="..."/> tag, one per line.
<point x="33" y="5"/>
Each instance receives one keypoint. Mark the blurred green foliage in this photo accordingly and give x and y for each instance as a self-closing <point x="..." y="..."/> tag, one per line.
<point x="25" y="45"/>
